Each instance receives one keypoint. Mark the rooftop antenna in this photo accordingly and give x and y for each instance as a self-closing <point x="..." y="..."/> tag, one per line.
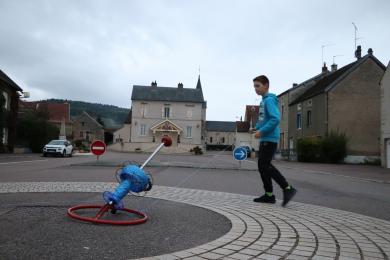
<point x="356" y="38"/>
<point x="322" y="47"/>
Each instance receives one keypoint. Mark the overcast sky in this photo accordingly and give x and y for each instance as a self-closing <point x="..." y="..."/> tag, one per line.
<point x="96" y="50"/>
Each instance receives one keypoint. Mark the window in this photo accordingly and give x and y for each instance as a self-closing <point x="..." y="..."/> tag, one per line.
<point x="82" y="123"/>
<point x="143" y="130"/>
<point x="211" y="140"/>
<point x="189" y="114"/>
<point x="223" y="140"/>
<point x="166" y="112"/>
<point x="6" y="100"/>
<point x="299" y="121"/>
<point x="309" y="118"/>
<point x="143" y="110"/>
<point x="189" y="131"/>
<point x="5" y="136"/>
<point x="81" y="134"/>
<point x="282" y="110"/>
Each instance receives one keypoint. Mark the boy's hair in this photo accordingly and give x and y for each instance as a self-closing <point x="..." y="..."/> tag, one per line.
<point x="263" y="79"/>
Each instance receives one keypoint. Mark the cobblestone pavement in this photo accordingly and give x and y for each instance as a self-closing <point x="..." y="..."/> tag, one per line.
<point x="299" y="231"/>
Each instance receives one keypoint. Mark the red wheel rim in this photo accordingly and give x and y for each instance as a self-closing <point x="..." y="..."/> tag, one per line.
<point x="103" y="209"/>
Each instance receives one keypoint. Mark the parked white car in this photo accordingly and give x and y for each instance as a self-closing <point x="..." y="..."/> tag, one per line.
<point x="58" y="147"/>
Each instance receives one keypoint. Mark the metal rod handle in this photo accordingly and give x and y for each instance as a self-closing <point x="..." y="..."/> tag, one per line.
<point x="152" y="155"/>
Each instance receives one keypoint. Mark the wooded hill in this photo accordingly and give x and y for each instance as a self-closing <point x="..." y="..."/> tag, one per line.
<point x="112" y="116"/>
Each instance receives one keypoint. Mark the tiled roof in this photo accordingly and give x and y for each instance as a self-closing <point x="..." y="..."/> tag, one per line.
<point x="220" y="126"/>
<point x="58" y="111"/>
<point x="333" y="78"/>
<point x="155" y="93"/>
<point x="85" y="114"/>
<point x="243" y="126"/>
<point x="9" y="82"/>
<point x="312" y="79"/>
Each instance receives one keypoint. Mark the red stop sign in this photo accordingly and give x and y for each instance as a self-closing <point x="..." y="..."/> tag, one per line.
<point x="98" y="147"/>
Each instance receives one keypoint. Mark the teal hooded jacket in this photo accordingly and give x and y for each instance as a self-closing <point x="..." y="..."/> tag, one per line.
<point x="269" y="118"/>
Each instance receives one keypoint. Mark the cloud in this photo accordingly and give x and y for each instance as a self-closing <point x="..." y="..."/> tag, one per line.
<point x="96" y="50"/>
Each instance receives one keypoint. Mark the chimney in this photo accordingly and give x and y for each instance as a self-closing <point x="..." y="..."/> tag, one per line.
<point x="295" y="85"/>
<point x="358" y="52"/>
<point x="370" y="51"/>
<point x="180" y="85"/>
<point x="324" y="68"/>
<point x="333" y="67"/>
<point x="154" y="84"/>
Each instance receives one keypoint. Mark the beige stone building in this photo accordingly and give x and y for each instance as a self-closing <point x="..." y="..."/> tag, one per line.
<point x="285" y="99"/>
<point x="385" y="118"/>
<point x="122" y="135"/>
<point x="86" y="129"/>
<point x="179" y="113"/>
<point x="345" y="100"/>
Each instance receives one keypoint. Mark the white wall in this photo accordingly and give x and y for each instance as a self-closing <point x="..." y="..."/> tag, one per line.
<point x="217" y="138"/>
<point x="247" y="139"/>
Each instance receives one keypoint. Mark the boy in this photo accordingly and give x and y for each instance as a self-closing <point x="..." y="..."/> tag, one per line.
<point x="268" y="131"/>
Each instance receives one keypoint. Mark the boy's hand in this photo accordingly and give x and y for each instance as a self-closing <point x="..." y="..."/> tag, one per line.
<point x="257" y="134"/>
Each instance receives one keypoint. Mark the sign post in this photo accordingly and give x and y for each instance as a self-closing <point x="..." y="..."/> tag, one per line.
<point x="240" y="154"/>
<point x="98" y="148"/>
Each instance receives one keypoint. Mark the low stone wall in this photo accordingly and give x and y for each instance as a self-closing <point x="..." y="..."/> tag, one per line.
<point x="148" y="148"/>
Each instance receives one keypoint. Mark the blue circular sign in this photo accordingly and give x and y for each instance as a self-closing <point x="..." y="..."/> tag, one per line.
<point x="240" y="153"/>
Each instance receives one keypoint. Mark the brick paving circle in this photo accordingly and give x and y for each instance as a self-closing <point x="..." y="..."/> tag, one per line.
<point x="299" y="231"/>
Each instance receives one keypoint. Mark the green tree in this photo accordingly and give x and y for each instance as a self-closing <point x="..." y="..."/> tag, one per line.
<point x="100" y="120"/>
<point x="34" y="131"/>
<point x="332" y="148"/>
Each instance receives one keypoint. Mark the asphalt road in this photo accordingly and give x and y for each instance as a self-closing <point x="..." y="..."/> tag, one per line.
<point x="326" y="187"/>
<point x="38" y="228"/>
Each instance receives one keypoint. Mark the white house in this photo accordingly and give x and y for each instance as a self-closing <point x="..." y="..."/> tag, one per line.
<point x="158" y="111"/>
<point x="220" y="134"/>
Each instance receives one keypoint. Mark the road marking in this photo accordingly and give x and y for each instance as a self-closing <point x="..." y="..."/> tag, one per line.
<point x="23" y="162"/>
<point x="6" y="157"/>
